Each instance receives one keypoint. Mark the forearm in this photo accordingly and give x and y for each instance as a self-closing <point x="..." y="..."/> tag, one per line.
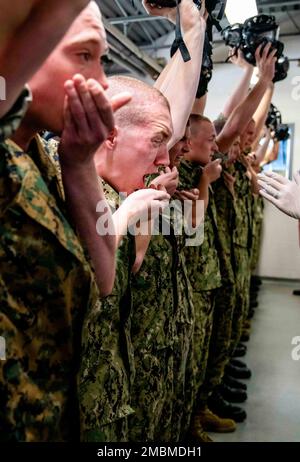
<point x="19" y="59"/>
<point x="261" y="113"/>
<point x="179" y="80"/>
<point x="199" y="105"/>
<point x="261" y="150"/>
<point x="239" y="94"/>
<point x="83" y="194"/>
<point x="241" y="116"/>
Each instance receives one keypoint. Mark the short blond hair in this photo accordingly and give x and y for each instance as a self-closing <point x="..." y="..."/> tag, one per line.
<point x="143" y="98"/>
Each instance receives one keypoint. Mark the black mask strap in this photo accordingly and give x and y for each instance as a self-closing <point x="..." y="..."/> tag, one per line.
<point x="179" y="42"/>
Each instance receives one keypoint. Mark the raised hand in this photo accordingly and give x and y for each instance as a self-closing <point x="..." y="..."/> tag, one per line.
<point x="281" y="192"/>
<point x="88" y="119"/>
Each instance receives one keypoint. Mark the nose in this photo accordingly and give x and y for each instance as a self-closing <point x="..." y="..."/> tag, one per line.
<point x="163" y="157"/>
<point x="215" y="147"/>
<point x="186" y="146"/>
<point x="102" y="78"/>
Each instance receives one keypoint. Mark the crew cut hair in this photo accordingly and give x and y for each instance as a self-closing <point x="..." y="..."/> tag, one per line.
<point x="144" y="97"/>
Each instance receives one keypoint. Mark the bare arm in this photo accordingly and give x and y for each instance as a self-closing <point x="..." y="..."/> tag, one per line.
<point x="262" y="149"/>
<point x="242" y="89"/>
<point x="199" y="105"/>
<point x="272" y="154"/>
<point x="179" y="80"/>
<point x="261" y="113"/>
<point x="211" y="172"/>
<point x="29" y="32"/>
<point x="241" y="116"/>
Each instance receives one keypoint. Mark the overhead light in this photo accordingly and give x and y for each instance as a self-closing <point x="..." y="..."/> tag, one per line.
<point x="237" y="11"/>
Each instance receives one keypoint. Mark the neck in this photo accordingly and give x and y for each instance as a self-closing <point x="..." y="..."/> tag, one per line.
<point x="24" y="134"/>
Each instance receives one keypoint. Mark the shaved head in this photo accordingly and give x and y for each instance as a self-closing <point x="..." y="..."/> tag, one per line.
<point x="144" y="97"/>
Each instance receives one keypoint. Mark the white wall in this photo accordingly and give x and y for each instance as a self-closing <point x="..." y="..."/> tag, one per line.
<point x="280" y="255"/>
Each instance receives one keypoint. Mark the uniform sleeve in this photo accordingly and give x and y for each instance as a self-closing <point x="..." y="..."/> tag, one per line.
<point x="12" y="120"/>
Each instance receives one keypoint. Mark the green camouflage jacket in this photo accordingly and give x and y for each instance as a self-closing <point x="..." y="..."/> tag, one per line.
<point x="107" y="364"/>
<point x="226" y="219"/>
<point x="242" y="235"/>
<point x="203" y="264"/>
<point x="46" y="286"/>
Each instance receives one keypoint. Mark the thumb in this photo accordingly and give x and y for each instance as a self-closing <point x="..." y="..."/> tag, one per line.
<point x="120" y="100"/>
<point x="297" y="177"/>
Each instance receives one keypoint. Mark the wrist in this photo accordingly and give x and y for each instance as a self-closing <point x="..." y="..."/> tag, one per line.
<point x="205" y="179"/>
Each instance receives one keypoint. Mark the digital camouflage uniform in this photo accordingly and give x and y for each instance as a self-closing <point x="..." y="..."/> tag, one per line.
<point x="152" y="338"/>
<point x="106" y="368"/>
<point x="242" y="243"/>
<point x="162" y="323"/>
<point x="46" y="286"/>
<point x="203" y="267"/>
<point x="225" y="300"/>
<point x="257" y="220"/>
<point x="184" y="324"/>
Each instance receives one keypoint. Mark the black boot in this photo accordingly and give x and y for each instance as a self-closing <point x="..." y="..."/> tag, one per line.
<point x="240" y="351"/>
<point x="233" y="383"/>
<point x="223" y="409"/>
<point x="238" y="372"/>
<point x="233" y="395"/>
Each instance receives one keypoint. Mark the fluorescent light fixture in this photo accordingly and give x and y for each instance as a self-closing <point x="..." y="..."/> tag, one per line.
<point x="239" y="11"/>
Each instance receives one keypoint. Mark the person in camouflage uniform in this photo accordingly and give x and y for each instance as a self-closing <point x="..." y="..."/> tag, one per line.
<point x="112" y="159"/>
<point x="242" y="244"/>
<point x="203" y="269"/>
<point x="161" y="333"/>
<point x="225" y="302"/>
<point x="152" y="333"/>
<point x="106" y="366"/>
<point x="42" y="309"/>
<point x="258" y="215"/>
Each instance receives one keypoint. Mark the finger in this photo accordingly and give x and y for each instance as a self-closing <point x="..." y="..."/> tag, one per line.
<point x="258" y="56"/>
<point x="161" y="196"/>
<point x="161" y="187"/>
<point x="120" y="100"/>
<point x="271" y="182"/>
<point x="297" y="177"/>
<point x="75" y="107"/>
<point x="102" y="103"/>
<point x="167" y="170"/>
<point x="68" y="122"/>
<point x="190" y="196"/>
<point x="267" y="196"/>
<point x="269" y="189"/>
<point x="88" y="104"/>
<point x="266" y="51"/>
<point x="272" y="54"/>
<point x="281" y="179"/>
<point x="203" y="8"/>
